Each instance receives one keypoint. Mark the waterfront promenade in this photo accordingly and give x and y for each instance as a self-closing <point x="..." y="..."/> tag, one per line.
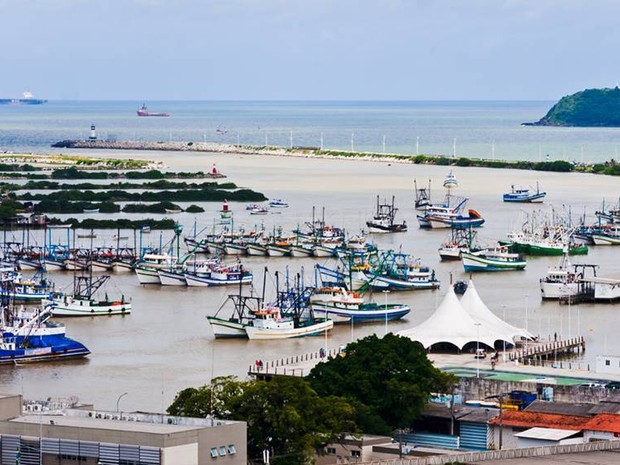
<point x="532" y="361"/>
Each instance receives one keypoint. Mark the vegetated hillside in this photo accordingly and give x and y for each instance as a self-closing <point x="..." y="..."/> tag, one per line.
<point x="588" y="108"/>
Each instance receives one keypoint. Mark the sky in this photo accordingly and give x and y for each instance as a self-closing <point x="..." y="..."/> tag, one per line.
<point x="308" y="49"/>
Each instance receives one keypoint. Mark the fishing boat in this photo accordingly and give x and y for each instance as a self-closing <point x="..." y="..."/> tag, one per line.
<point x="562" y="280"/>
<point x="383" y="220"/>
<point x="399" y="271"/>
<point x="234" y="326"/>
<point x="492" y="259"/>
<point x="259" y="211"/>
<point x="458" y="240"/>
<point x="218" y="274"/>
<point x="269" y="323"/>
<point x="90" y="210"/>
<point x="422" y="196"/>
<point x="85" y="300"/>
<point x="278" y="203"/>
<point x="438" y="219"/>
<point x="35" y="289"/>
<point x="610" y="235"/>
<point x="147" y="267"/>
<point x="524" y="195"/>
<point x="341" y="305"/>
<point x="28" y="335"/>
<point x="144" y="111"/>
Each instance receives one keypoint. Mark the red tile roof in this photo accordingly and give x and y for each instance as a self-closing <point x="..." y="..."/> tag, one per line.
<point x="525" y="419"/>
<point x="607" y="422"/>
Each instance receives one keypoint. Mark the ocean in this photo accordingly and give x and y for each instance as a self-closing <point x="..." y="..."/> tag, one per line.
<point x="166" y="344"/>
<point x="476" y="129"/>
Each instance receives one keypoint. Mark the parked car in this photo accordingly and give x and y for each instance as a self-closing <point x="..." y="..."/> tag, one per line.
<point x="613" y="385"/>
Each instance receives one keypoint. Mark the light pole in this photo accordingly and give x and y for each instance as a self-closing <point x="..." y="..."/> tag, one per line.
<point x="504" y="353"/>
<point x="499" y="397"/>
<point x="385" y="293"/>
<point x="119" y="399"/>
<point x="477" y="350"/>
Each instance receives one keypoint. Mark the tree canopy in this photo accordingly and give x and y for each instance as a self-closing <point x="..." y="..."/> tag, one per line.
<point x="588" y="108"/>
<point x="387" y="379"/>
<point x="284" y="415"/>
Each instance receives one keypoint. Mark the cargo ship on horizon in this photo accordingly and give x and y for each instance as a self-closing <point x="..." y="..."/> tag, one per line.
<point x="26" y="99"/>
<point x="144" y="111"/>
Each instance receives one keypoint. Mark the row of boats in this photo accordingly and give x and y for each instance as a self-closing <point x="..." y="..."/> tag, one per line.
<point x="297" y="311"/>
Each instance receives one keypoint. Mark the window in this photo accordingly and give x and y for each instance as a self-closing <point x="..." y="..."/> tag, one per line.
<point x="231" y="449"/>
<point x="356" y="453"/>
<point x="214" y="452"/>
<point x="330" y="450"/>
<point x="607" y="363"/>
<point x="222" y="451"/>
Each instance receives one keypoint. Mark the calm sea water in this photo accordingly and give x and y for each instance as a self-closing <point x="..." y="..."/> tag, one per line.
<point x="166" y="344"/>
<point x="471" y="129"/>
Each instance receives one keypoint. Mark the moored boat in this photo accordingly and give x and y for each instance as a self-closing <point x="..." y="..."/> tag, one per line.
<point x="86" y="300"/>
<point x="495" y="259"/>
<point x="383" y="220"/>
<point x="341" y="305"/>
<point x="524" y="195"/>
<point x="28" y="335"/>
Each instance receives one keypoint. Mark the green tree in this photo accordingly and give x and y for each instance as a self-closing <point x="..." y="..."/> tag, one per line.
<point x="283" y="415"/>
<point x="388" y="380"/>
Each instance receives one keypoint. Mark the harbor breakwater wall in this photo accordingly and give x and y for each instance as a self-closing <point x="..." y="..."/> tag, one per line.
<point x="214" y="147"/>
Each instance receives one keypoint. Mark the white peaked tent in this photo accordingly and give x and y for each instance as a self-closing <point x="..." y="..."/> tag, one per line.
<point x="473" y="304"/>
<point x="451" y="323"/>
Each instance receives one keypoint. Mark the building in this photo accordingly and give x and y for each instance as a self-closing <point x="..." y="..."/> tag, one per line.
<point x="89" y="436"/>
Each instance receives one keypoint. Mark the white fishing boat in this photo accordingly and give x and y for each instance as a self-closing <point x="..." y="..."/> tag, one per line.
<point x="172" y="277"/>
<point x="86" y="300"/>
<point x="234" y="326"/>
<point x="268" y="323"/>
<point x="562" y="280"/>
<point x="147" y="268"/>
<point x="278" y="203"/>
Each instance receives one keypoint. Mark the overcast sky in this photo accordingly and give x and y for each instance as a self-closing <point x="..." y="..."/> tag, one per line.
<point x="308" y="49"/>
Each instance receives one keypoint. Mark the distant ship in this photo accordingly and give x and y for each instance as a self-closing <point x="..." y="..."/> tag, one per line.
<point x="144" y="111"/>
<point x="26" y="99"/>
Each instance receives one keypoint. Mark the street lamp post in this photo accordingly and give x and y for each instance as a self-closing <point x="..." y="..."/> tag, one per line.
<point x="385" y="293"/>
<point x="477" y="350"/>
<point x="504" y="353"/>
<point x="119" y="399"/>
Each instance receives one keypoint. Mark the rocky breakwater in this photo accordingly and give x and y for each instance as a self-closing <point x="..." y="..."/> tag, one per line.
<point x="170" y="146"/>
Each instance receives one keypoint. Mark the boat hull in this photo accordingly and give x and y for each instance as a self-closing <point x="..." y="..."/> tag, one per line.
<point x="80" y="307"/>
<point x="473" y="262"/>
<point x="315" y="329"/>
<point x="170" y="278"/>
<point x="146" y="276"/>
<point x="223" y="329"/>
<point x="364" y="313"/>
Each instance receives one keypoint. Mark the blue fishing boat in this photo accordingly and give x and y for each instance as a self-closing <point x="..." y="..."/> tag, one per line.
<point x="28" y="335"/>
<point x="524" y="195"/>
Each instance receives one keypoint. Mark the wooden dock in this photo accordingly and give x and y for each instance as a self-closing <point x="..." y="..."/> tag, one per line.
<point x="296" y="365"/>
<point x="544" y="351"/>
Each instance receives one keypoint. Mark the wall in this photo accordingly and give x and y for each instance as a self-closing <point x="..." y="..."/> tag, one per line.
<point x="10" y="406"/>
